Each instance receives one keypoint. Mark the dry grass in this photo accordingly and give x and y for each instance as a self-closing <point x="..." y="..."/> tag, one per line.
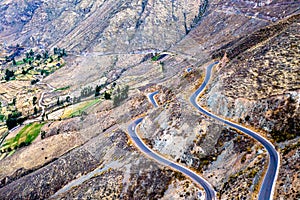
<point x="268" y="69"/>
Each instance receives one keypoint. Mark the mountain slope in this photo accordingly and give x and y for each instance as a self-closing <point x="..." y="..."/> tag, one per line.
<point x="114" y="43"/>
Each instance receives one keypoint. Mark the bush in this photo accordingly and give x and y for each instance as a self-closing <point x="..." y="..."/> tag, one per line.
<point x="34" y="81"/>
<point x="107" y="95"/>
<point x="9" y="74"/>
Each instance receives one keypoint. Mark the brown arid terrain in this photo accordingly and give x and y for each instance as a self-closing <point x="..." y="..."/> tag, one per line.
<point x="111" y="55"/>
<point x="260" y="88"/>
<point x="225" y="157"/>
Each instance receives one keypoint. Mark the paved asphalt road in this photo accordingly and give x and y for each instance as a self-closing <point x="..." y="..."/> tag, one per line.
<point x="152" y="100"/>
<point x="269" y="182"/>
<point x="209" y="192"/>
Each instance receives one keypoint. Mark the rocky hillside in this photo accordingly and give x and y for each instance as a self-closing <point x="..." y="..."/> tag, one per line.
<point x="104" y="26"/>
<point x="260" y="87"/>
<point x="83" y="149"/>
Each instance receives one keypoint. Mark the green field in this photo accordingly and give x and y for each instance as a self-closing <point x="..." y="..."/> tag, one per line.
<point x="20" y="62"/>
<point x="63" y="88"/>
<point x="78" y="109"/>
<point x="25" y="137"/>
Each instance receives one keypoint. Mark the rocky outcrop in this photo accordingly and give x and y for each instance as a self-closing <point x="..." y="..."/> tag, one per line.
<point x="259" y="88"/>
<point x="104" y="26"/>
<point x="15" y="14"/>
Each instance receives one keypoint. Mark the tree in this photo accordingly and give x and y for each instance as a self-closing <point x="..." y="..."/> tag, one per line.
<point x="46" y="55"/>
<point x="68" y="99"/>
<point x="2" y="117"/>
<point x="116" y="100"/>
<point x="38" y="57"/>
<point x="87" y="91"/>
<point x="9" y="74"/>
<point x="34" y="81"/>
<point x="107" y="95"/>
<point x="31" y="53"/>
<point x="64" y="52"/>
<point x="97" y="90"/>
<point x="35" y="111"/>
<point x="14" y="101"/>
<point x="14" y="61"/>
<point x="43" y="134"/>
<point x="55" y="51"/>
<point x="12" y="120"/>
<point x="120" y="95"/>
<point x="24" y="72"/>
<point x="34" y="100"/>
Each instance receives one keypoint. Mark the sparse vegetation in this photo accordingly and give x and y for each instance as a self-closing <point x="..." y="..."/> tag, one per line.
<point x="87" y="91"/>
<point x="120" y="94"/>
<point x="289" y="148"/>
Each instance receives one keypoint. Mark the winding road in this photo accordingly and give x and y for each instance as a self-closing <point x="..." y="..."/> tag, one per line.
<point x="268" y="185"/>
<point x="42" y="97"/>
<point x="151" y="98"/>
<point x="39" y="118"/>
<point x="209" y="191"/>
<point x="269" y="182"/>
<point x="40" y="104"/>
